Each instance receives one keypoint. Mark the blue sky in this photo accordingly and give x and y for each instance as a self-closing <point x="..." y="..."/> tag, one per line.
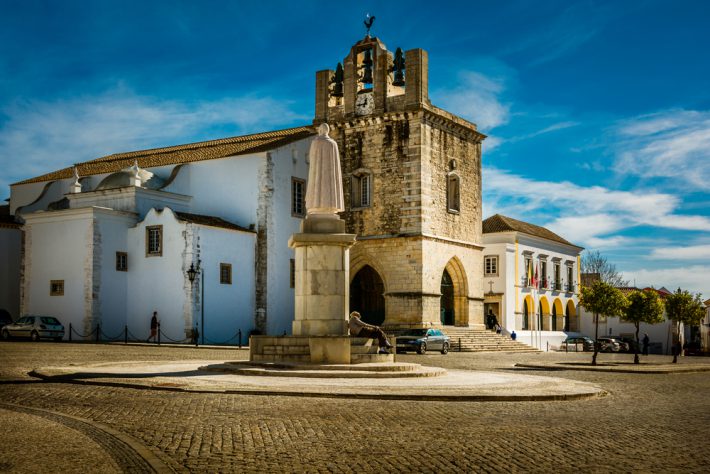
<point x="598" y="112"/>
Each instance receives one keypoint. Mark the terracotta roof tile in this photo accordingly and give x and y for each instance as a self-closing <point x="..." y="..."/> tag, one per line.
<point x="210" y="221"/>
<point x="179" y="154"/>
<point x="499" y="223"/>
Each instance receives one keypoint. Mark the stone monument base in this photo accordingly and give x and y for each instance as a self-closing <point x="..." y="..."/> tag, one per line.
<point x="316" y="350"/>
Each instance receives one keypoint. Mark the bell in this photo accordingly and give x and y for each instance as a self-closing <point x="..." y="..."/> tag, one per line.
<point x="338" y="81"/>
<point x="367" y="61"/>
<point x="398" y="68"/>
<point x="367" y="77"/>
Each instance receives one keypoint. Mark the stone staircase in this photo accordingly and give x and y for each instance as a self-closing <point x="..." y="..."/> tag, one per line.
<point x="483" y="340"/>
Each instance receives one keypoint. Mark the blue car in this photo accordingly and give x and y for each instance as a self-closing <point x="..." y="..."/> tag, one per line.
<point x="421" y="340"/>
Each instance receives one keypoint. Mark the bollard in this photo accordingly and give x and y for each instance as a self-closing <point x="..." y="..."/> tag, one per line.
<point x="158" y="332"/>
<point x="459" y="344"/>
<point x="125" y="334"/>
<point x="548" y="346"/>
<point x="98" y="332"/>
<point x="240" y="338"/>
<point x="195" y="336"/>
<point x="70" y="330"/>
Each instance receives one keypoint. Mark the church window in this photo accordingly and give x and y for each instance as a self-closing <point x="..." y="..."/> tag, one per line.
<point x="121" y="262"/>
<point x="298" y="197"/>
<point x="491" y="265"/>
<point x="154" y="241"/>
<point x="292" y="273"/>
<point x="56" y="288"/>
<point x="225" y="273"/>
<point x="453" y="193"/>
<point x="361" y="187"/>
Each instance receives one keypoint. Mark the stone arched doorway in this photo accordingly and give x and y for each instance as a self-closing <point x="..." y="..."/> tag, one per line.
<point x="367" y="295"/>
<point x="448" y="311"/>
<point x="454" y="294"/>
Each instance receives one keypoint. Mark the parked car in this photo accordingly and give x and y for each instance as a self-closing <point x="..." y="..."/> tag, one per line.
<point x="421" y="340"/>
<point x="577" y="344"/>
<point x="609" y="344"/>
<point x="5" y="318"/>
<point x="35" y="327"/>
<point x="628" y="344"/>
<point x="693" y="349"/>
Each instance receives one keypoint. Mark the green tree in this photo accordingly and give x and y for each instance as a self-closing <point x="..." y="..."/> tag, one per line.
<point x="684" y="307"/>
<point x="601" y="298"/>
<point x="643" y="307"/>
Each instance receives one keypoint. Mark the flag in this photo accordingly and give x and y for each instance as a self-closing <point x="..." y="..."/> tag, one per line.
<point x="536" y="280"/>
<point x="530" y="275"/>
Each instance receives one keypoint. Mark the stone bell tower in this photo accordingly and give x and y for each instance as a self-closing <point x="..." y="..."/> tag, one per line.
<point x="412" y="182"/>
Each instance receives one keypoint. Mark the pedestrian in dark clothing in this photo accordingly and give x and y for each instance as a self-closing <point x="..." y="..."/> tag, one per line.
<point x="513" y="335"/>
<point x="675" y="350"/>
<point x="645" y="341"/>
<point x="153" y="327"/>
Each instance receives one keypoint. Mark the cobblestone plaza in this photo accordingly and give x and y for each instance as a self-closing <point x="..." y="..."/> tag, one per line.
<point x="646" y="422"/>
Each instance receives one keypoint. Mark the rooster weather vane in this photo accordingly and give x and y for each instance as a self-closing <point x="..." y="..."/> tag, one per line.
<point x="369" y="20"/>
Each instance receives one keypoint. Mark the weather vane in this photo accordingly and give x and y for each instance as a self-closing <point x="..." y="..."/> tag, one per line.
<point x="369" y="20"/>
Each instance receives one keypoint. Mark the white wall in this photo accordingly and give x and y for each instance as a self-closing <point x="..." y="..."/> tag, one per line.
<point x="160" y="283"/>
<point x="229" y="308"/>
<point x="58" y="247"/>
<point x="289" y="161"/>
<point x="111" y="286"/>
<point x="657" y="333"/>
<point x="10" y="247"/>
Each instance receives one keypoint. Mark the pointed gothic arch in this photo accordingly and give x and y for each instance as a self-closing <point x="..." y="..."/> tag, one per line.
<point x="367" y="295"/>
<point x="458" y="297"/>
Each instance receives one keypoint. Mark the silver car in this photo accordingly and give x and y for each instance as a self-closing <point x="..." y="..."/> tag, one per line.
<point x="35" y="328"/>
<point x="421" y="340"/>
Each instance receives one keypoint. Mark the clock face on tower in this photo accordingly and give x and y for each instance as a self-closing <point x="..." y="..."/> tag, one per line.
<point x="364" y="104"/>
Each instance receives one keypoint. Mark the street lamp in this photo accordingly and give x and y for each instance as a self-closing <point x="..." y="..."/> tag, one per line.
<point x="191" y="274"/>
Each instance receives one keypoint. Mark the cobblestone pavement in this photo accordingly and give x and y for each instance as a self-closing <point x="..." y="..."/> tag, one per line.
<point x="648" y="423"/>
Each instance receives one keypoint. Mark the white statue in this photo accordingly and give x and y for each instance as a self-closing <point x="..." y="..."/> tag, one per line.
<point x="324" y="193"/>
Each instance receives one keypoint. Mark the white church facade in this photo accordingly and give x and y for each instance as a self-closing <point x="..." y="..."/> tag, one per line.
<point x="107" y="242"/>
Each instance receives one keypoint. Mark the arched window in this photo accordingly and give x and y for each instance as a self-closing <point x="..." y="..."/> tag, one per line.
<point x="361" y="188"/>
<point x="453" y="193"/>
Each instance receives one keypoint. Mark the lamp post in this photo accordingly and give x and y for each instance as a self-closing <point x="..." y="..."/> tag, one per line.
<point x="191" y="274"/>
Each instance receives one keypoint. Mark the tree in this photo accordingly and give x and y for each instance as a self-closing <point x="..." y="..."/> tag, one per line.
<point x="684" y="308"/>
<point x="643" y="307"/>
<point x="593" y="262"/>
<point x="601" y="298"/>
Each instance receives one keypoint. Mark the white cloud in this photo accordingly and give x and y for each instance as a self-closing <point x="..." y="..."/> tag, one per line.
<point x="38" y="137"/>
<point x="692" y="252"/>
<point x="673" y="144"/>
<point x="693" y="278"/>
<point x="476" y="97"/>
<point x="590" y="215"/>
<point x="551" y="128"/>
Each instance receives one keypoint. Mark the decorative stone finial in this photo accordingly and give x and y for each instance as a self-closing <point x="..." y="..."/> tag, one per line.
<point x="76" y="186"/>
<point x="136" y="178"/>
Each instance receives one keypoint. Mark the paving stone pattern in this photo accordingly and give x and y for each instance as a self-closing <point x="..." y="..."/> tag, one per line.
<point x="648" y="423"/>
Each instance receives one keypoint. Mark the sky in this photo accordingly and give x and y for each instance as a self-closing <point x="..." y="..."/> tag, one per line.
<point x="597" y="112"/>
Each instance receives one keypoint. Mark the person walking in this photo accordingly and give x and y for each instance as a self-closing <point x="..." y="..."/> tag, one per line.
<point x="153" y="328"/>
<point x="645" y="342"/>
<point x="359" y="328"/>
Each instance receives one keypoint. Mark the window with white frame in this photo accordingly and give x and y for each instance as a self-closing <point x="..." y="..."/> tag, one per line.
<point x="298" y="197"/>
<point x="544" y="283"/>
<point x="490" y="265"/>
<point x="570" y="278"/>
<point x="361" y="188"/>
<point x="154" y="241"/>
<point x="529" y="272"/>
<point x="56" y="288"/>
<point x="558" y="277"/>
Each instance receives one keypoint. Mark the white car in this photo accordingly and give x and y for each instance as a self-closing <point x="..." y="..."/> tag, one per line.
<point x="35" y="328"/>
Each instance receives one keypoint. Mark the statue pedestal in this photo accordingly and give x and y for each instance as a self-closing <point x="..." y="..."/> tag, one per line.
<point x="322" y="283"/>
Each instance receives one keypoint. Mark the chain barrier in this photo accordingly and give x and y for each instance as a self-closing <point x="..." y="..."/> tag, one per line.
<point x="237" y="335"/>
<point x="83" y="336"/>
<point x="181" y="341"/>
<point x="117" y="338"/>
<point x="126" y="335"/>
